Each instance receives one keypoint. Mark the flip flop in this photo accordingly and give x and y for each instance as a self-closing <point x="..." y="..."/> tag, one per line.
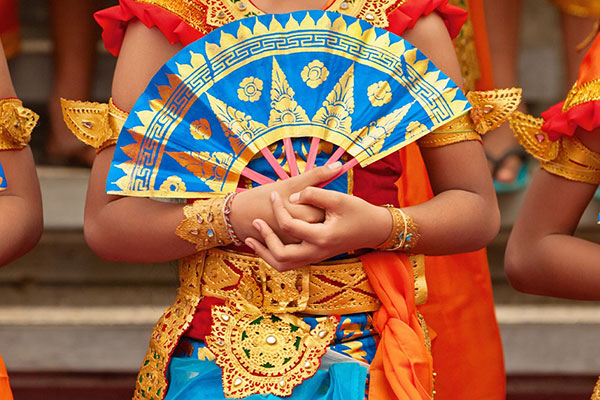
<point x="522" y="176"/>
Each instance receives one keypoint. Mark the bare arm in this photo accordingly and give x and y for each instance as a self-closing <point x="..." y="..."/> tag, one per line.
<point x="542" y="256"/>
<point x="20" y="204"/>
<point x="139" y="229"/>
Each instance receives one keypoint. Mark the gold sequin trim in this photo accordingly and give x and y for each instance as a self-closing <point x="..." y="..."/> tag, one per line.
<point x="596" y="394"/>
<point x="589" y="91"/>
<point x="16" y="124"/>
<point x="207" y="15"/>
<point x="456" y="131"/>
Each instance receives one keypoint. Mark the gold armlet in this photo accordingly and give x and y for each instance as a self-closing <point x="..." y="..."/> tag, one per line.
<point x="404" y="235"/>
<point x="16" y="124"/>
<point x="567" y="157"/>
<point x="490" y="110"/>
<point x="95" y="124"/>
<point x="204" y="224"/>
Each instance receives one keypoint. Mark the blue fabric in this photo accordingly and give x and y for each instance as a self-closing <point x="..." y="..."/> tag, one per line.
<point x="194" y="375"/>
<point x="192" y="379"/>
<point x="2" y="179"/>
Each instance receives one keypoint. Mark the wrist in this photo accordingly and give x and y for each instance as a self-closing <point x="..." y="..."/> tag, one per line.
<point x="383" y="222"/>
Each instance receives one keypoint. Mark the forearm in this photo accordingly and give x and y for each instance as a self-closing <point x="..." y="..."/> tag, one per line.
<point x="454" y="221"/>
<point x="20" y="227"/>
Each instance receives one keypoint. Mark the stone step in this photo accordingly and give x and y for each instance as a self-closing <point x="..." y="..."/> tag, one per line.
<point x="547" y="340"/>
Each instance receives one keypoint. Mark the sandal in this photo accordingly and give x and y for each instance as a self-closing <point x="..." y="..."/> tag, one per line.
<point x="522" y="176"/>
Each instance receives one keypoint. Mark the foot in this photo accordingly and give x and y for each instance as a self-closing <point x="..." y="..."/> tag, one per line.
<point x="497" y="145"/>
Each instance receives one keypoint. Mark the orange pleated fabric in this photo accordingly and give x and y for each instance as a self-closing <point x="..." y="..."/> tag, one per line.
<point x="5" y="392"/>
<point x="477" y="17"/>
<point x="402" y="368"/>
<point x="466" y="347"/>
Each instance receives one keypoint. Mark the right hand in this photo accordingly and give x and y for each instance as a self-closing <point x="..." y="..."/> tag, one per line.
<point x="256" y="203"/>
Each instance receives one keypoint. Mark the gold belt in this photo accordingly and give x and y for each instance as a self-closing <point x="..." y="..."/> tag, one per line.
<point x="340" y="287"/>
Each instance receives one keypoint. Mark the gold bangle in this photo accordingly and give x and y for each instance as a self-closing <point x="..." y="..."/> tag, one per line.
<point x="405" y="233"/>
<point x="16" y="124"/>
<point x="204" y="224"/>
<point x="95" y="124"/>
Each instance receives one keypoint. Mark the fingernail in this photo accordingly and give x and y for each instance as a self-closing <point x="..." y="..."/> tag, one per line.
<point x="295" y="198"/>
<point x="250" y="244"/>
<point x="335" y="165"/>
<point x="256" y="225"/>
<point x="272" y="196"/>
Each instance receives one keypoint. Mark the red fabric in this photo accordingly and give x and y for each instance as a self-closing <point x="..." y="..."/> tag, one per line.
<point x="114" y="20"/>
<point x="402" y="367"/>
<point x="587" y="115"/>
<point x="406" y="16"/>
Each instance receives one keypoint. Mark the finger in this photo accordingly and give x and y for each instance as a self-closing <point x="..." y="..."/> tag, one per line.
<point x="319" y="175"/>
<point x="294" y="227"/>
<point x="270" y="238"/>
<point x="317" y="197"/>
<point x="265" y="253"/>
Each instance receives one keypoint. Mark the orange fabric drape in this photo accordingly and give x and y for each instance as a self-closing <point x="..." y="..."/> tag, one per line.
<point x="476" y="14"/>
<point x="466" y="347"/>
<point x="402" y="368"/>
<point x="5" y="392"/>
<point x="9" y="27"/>
<point x="590" y="67"/>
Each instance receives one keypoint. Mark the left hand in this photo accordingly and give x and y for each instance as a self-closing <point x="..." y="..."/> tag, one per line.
<point x="350" y="224"/>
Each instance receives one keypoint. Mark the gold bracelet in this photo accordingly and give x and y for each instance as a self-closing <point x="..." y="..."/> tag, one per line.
<point x="204" y="224"/>
<point x="95" y="124"/>
<point x="405" y="233"/>
<point x="490" y="109"/>
<point x="16" y="124"/>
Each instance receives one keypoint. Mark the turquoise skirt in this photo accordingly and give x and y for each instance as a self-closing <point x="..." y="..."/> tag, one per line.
<point x="194" y="375"/>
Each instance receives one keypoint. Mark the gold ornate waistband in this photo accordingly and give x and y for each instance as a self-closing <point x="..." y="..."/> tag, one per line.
<point x="330" y="288"/>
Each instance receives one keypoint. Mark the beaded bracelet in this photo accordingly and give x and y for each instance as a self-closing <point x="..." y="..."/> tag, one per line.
<point x="226" y="216"/>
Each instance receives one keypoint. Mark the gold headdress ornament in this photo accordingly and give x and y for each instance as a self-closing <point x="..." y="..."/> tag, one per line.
<point x="566" y="157"/>
<point x="16" y="124"/>
<point x="96" y="124"/>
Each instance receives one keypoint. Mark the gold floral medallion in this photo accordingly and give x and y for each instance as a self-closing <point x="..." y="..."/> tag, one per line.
<point x="265" y="353"/>
<point x="314" y="74"/>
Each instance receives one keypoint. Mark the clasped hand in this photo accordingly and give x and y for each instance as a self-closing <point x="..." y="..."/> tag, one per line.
<point x="347" y="223"/>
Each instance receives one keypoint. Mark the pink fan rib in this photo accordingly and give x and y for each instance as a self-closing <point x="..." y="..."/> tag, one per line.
<point x="256" y="177"/>
<point x="336" y="156"/>
<point x="347" y="167"/>
<point x="291" y="156"/>
<point x="312" y="154"/>
<point x="268" y="155"/>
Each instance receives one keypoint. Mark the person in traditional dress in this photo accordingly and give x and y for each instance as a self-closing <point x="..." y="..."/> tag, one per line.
<point x="577" y="18"/>
<point x="20" y="200"/>
<point x="543" y="257"/>
<point x="182" y="361"/>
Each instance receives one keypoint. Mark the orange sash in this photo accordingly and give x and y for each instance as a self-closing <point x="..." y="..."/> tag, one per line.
<point x="402" y="368"/>
<point x="5" y="392"/>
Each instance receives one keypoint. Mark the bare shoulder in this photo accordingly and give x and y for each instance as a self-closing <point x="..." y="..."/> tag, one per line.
<point x="143" y="52"/>
<point x="431" y="36"/>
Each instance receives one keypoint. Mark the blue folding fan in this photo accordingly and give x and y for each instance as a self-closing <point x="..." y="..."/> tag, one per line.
<point x="272" y="96"/>
<point x="2" y="179"/>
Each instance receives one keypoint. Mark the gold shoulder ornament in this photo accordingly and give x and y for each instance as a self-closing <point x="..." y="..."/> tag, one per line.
<point x="16" y="124"/>
<point x="490" y="110"/>
<point x="95" y="124"/>
<point x="566" y="157"/>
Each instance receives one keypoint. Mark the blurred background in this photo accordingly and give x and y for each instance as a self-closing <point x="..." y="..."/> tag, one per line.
<point x="73" y="326"/>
